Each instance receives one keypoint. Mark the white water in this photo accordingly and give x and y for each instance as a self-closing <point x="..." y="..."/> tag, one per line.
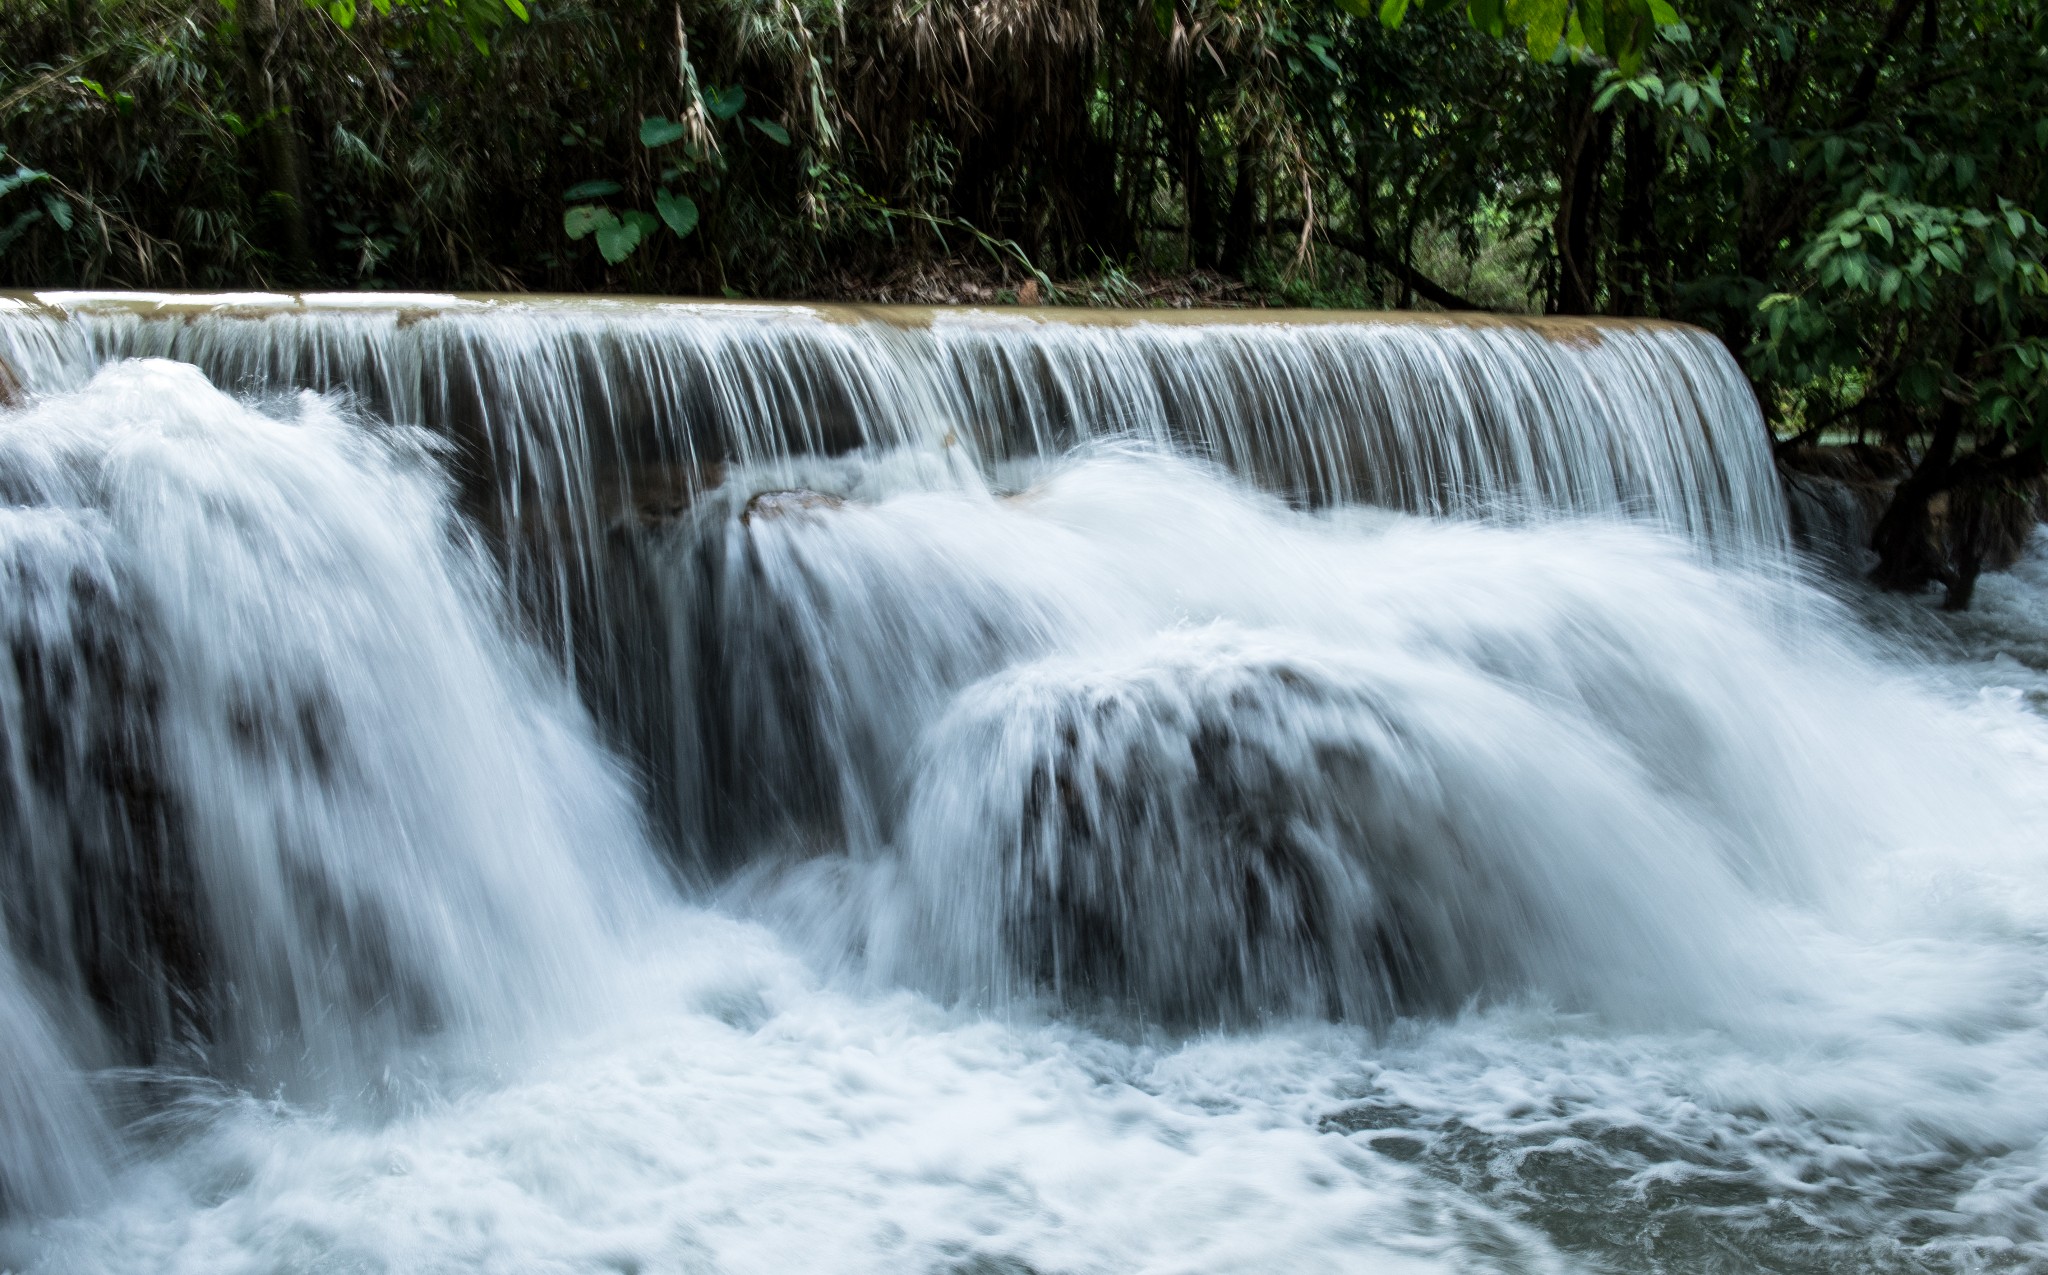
<point x="1669" y="919"/>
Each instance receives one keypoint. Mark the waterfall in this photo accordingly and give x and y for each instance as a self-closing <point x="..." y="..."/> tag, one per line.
<point x="282" y="803"/>
<point x="467" y="765"/>
<point x="581" y="412"/>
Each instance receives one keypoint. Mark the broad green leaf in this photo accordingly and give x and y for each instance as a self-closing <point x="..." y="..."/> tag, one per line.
<point x="774" y="131"/>
<point x="679" y="211"/>
<point x="657" y="131"/>
<point x="584" y="220"/>
<point x="18" y="227"/>
<point x="1356" y="8"/>
<point x="21" y="177"/>
<point x="1663" y="14"/>
<point x="592" y="190"/>
<point x="60" y="212"/>
<point x="1547" y="20"/>
<point x="725" y="103"/>
<point x="1392" y="11"/>
<point x="643" y="222"/>
<point x="617" y="241"/>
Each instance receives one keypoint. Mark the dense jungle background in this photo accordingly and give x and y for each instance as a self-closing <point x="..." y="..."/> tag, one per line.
<point x="1850" y="194"/>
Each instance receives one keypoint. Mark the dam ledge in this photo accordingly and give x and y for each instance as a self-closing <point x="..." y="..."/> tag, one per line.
<point x="415" y="306"/>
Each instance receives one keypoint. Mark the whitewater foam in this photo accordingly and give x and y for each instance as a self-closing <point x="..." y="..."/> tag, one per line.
<point x="1128" y="873"/>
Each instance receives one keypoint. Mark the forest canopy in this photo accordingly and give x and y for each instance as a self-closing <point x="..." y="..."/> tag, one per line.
<point x="1850" y="194"/>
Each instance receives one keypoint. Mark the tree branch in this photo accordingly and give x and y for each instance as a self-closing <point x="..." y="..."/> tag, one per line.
<point x="1421" y="284"/>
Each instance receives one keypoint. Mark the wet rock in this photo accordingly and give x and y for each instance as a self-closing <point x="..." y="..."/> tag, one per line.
<point x="11" y="392"/>
<point x="782" y="504"/>
<point x="1834" y="497"/>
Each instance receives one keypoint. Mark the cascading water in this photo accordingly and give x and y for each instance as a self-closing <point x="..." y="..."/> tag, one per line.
<point x="1207" y="795"/>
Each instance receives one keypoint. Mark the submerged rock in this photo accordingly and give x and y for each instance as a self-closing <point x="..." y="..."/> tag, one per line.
<point x="782" y="504"/>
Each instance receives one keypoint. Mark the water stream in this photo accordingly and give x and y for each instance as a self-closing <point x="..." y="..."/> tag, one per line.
<point x="609" y="787"/>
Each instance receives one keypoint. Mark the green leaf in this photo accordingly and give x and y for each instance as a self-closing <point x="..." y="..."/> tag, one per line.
<point x="679" y="211"/>
<point x="592" y="190"/>
<point x="1489" y="16"/>
<point x="517" y="10"/>
<point x="725" y="103"/>
<point x="14" y="230"/>
<point x="21" y="177"/>
<point x="1663" y="14"/>
<point x="775" y="132"/>
<point x="656" y="131"/>
<point x="1592" y="23"/>
<point x="60" y="211"/>
<point x="1392" y="11"/>
<point x="584" y="220"/>
<point x="1547" y="20"/>
<point x="618" y="240"/>
<point x="1356" y="8"/>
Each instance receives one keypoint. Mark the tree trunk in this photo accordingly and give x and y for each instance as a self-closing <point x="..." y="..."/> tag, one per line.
<point x="1204" y="226"/>
<point x="1908" y="557"/>
<point x="1588" y="139"/>
<point x="284" y="193"/>
<point x="1642" y="163"/>
<point x="1241" y="223"/>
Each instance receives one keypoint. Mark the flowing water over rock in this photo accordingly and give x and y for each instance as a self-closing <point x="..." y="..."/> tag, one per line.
<point x="610" y="787"/>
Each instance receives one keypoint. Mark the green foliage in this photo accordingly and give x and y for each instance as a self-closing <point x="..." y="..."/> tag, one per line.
<point x="1616" y="32"/>
<point x="1852" y="195"/>
<point x="476" y="20"/>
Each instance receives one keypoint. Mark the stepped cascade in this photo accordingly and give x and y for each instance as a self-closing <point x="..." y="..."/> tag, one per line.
<point x="466" y="760"/>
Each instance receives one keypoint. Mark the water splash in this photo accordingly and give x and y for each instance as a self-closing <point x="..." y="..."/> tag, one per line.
<point x="282" y="805"/>
<point x="1149" y="868"/>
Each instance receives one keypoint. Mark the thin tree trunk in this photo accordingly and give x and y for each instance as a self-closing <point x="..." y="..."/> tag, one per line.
<point x="284" y="188"/>
<point x="1204" y="225"/>
<point x="1642" y="164"/>
<point x="1907" y="557"/>
<point x="1241" y="222"/>
<point x="1587" y="141"/>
